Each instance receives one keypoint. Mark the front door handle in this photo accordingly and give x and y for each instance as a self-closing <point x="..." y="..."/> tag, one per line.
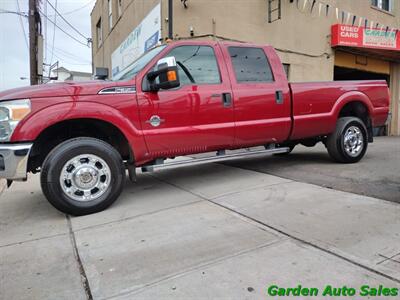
<point x="279" y="97"/>
<point x="227" y="99"/>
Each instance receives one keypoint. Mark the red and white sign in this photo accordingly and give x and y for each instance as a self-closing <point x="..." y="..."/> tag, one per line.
<point x="353" y="36"/>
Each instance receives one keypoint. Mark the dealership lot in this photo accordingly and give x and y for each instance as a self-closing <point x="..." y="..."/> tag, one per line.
<point x="211" y="231"/>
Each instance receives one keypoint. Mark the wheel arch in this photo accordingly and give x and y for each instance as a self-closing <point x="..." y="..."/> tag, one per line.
<point x="64" y="130"/>
<point x="355" y="104"/>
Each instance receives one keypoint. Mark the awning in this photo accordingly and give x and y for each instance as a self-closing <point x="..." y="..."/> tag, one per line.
<point x="365" y="41"/>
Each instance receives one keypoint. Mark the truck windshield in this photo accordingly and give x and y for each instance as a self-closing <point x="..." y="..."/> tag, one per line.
<point x="139" y="64"/>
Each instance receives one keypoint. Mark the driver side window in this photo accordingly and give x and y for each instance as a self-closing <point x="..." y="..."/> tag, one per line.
<point x="196" y="65"/>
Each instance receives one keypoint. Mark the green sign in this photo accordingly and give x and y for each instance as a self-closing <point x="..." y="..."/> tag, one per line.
<point x="332" y="291"/>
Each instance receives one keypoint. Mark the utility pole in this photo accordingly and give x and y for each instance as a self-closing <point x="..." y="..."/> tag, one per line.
<point x="33" y="38"/>
<point x="170" y="20"/>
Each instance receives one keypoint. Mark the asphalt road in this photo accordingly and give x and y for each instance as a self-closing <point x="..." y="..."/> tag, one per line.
<point x="376" y="175"/>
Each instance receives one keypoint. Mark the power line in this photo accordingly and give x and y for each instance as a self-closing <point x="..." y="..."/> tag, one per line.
<point x="4" y="11"/>
<point x="65" y="20"/>
<point x="70" y="55"/>
<point x="72" y="37"/>
<point x="78" y="9"/>
<point x="71" y="63"/>
<point x="22" y="24"/>
<point x="54" y="35"/>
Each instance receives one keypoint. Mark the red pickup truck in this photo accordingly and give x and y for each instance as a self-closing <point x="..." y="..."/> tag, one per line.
<point x="177" y="99"/>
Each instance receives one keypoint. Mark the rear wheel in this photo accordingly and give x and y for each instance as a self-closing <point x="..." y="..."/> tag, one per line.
<point x="82" y="176"/>
<point x="349" y="142"/>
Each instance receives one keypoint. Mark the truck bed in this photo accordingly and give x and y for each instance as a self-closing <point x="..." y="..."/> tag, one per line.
<point x="315" y="105"/>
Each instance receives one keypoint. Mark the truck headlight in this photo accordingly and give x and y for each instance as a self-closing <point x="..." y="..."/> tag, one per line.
<point x="11" y="113"/>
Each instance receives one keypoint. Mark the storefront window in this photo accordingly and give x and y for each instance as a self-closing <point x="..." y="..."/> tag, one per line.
<point x="286" y="67"/>
<point x="110" y="22"/>
<point x="119" y="8"/>
<point x="383" y="4"/>
<point x="99" y="33"/>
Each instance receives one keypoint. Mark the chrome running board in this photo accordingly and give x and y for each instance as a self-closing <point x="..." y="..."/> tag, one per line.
<point x="221" y="156"/>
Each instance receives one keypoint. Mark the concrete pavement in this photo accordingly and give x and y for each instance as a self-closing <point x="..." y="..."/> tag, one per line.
<point x="209" y="231"/>
<point x="376" y="175"/>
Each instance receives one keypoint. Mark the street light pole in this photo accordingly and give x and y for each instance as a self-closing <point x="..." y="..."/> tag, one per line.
<point x="33" y="34"/>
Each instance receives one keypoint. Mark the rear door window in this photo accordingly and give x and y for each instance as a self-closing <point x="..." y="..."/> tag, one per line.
<point x="250" y="64"/>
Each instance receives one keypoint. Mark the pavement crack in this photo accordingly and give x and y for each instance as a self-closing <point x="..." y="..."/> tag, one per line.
<point x="252" y="188"/>
<point x="195" y="268"/>
<point x="84" y="279"/>
<point x="386" y="258"/>
<point x="138" y="216"/>
<point x="33" y="240"/>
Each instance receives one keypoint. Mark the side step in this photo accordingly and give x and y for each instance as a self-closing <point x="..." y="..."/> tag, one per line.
<point x="221" y="156"/>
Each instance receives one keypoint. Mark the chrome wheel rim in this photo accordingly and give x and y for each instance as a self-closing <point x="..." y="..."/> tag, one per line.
<point x="85" y="178"/>
<point x="353" y="141"/>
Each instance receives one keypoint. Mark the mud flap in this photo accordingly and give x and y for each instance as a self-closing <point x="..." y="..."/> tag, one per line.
<point x="132" y="172"/>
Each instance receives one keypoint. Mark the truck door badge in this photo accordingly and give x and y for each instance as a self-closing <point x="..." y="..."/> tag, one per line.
<point x="155" y="121"/>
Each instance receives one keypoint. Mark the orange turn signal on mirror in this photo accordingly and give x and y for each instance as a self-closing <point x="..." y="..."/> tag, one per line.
<point x="171" y="75"/>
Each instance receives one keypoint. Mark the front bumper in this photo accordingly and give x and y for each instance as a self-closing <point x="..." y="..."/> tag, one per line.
<point x="14" y="161"/>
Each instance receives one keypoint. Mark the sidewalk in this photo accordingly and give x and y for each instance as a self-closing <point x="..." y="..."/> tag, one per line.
<point x="209" y="231"/>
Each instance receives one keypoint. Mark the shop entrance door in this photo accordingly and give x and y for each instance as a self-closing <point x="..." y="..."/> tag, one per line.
<point x="341" y="73"/>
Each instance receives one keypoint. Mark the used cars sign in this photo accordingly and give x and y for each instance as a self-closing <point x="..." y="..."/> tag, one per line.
<point x="353" y="36"/>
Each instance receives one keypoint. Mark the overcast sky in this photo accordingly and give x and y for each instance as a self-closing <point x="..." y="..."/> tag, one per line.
<point x="14" y="54"/>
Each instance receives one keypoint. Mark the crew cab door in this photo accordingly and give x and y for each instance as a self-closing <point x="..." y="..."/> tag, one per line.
<point x="197" y="116"/>
<point x="261" y="95"/>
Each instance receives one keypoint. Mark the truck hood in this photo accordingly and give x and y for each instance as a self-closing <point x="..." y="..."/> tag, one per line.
<point x="68" y="88"/>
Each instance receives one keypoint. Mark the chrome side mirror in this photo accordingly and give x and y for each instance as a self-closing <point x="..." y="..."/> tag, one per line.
<point x="166" y="62"/>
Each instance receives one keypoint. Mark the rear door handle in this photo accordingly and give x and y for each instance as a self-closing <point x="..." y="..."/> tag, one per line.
<point x="279" y="97"/>
<point x="227" y="99"/>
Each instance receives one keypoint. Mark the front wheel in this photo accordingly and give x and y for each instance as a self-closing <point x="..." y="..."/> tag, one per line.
<point x="82" y="176"/>
<point x="349" y="142"/>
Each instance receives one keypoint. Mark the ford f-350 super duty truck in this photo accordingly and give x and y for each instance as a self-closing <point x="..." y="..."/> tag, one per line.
<point x="177" y="99"/>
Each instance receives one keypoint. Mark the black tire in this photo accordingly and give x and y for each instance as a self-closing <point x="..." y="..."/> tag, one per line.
<point x="55" y="162"/>
<point x="336" y="145"/>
